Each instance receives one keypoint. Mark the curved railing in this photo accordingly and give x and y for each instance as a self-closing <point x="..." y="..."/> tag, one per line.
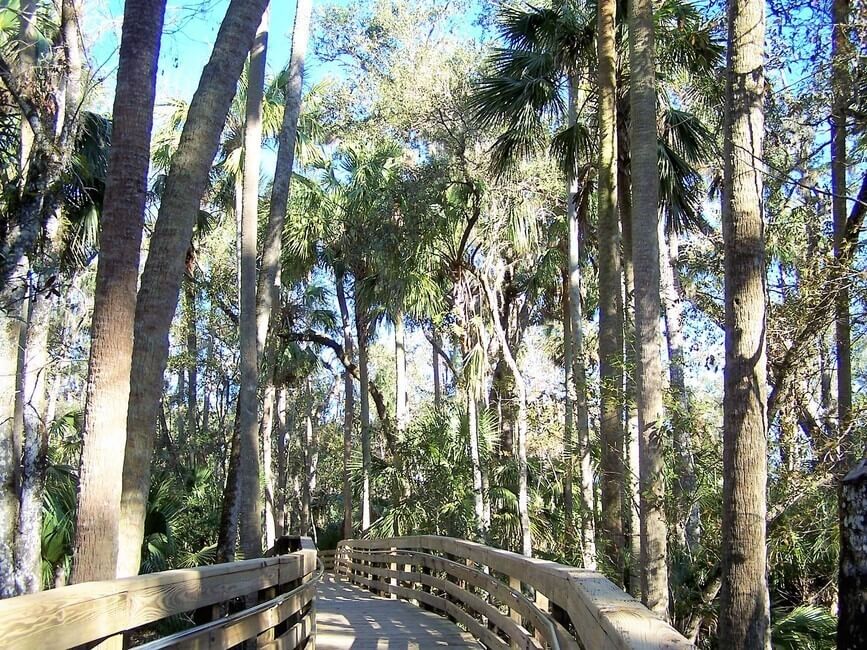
<point x="505" y="599"/>
<point x="278" y="592"/>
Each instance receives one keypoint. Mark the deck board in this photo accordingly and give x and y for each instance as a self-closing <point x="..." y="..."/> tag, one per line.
<point x="351" y="618"/>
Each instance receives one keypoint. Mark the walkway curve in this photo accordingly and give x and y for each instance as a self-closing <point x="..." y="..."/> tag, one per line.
<point x="351" y="618"/>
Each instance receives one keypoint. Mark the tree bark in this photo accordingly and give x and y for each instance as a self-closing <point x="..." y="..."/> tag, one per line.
<point x="744" y="618"/>
<point x="610" y="301"/>
<point x="400" y="371"/>
<point x="840" y="60"/>
<point x="267" y="427"/>
<point x="251" y="498"/>
<point x="645" y="255"/>
<point x="361" y="329"/>
<point x="852" y="624"/>
<point x="483" y="523"/>
<point x="160" y="282"/>
<point x="280" y="487"/>
<point x="348" y="407"/>
<point x="28" y="539"/>
<point x="108" y="386"/>
<point x="193" y="365"/>
<point x="688" y="529"/>
<point x="521" y="390"/>
<point x="286" y="140"/>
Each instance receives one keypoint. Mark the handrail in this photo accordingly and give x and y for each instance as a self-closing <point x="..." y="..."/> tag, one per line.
<point x="549" y="605"/>
<point x="91" y="612"/>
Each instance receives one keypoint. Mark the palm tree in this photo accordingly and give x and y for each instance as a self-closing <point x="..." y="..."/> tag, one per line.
<point x="110" y="362"/>
<point x="160" y="283"/>
<point x="744" y="616"/>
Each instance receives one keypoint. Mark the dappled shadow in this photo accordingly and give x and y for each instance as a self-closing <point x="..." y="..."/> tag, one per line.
<point x="350" y="618"/>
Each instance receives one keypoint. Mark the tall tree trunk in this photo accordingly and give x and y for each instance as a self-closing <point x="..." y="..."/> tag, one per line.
<point x="96" y="551"/>
<point x="349" y="405"/>
<point x="744" y="618"/>
<point x="437" y="380"/>
<point x="568" y="422"/>
<point x="28" y="539"/>
<point x="251" y="498"/>
<point x="364" y="382"/>
<point x="645" y="255"/>
<point x="840" y="60"/>
<point x="400" y="371"/>
<point x="280" y="487"/>
<point x="483" y="523"/>
<point x="610" y="302"/>
<point x="521" y="390"/>
<point x="193" y="362"/>
<point x="160" y="282"/>
<point x="688" y="529"/>
<point x="286" y="140"/>
<point x="267" y="427"/>
<point x="576" y="212"/>
<point x="852" y="626"/>
<point x="227" y="534"/>
<point x="631" y="498"/>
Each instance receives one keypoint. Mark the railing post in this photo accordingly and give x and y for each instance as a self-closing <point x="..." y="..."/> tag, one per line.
<point x="393" y="581"/>
<point x="543" y="605"/>
<point x="515" y="584"/>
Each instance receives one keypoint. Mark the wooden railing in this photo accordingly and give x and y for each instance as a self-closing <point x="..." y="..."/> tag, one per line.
<point x="327" y="557"/>
<point x="504" y="599"/>
<point x="278" y="593"/>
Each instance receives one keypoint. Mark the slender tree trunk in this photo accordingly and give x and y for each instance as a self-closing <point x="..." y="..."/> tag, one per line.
<point x="272" y="247"/>
<point x="521" y="390"/>
<point x="28" y="540"/>
<point x="400" y="371"/>
<point x="610" y="302"/>
<point x="361" y="329"/>
<point x="227" y="535"/>
<point x="307" y="455"/>
<point x="645" y="247"/>
<point x="108" y="385"/>
<point x="193" y="366"/>
<point x="840" y="61"/>
<point x="744" y="618"/>
<point x="280" y="488"/>
<point x="689" y="529"/>
<point x="568" y="422"/>
<point x="482" y="519"/>
<point x="631" y="497"/>
<point x="437" y="380"/>
<point x="349" y="406"/>
<point x="267" y="429"/>
<point x="251" y="499"/>
<point x="160" y="282"/>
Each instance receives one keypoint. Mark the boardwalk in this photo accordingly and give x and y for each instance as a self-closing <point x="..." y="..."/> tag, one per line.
<point x="350" y="618"/>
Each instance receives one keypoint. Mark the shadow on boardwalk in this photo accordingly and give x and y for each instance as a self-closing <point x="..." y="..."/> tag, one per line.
<point x="350" y="618"/>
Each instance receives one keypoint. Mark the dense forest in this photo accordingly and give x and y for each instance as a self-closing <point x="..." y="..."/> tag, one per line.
<point x="580" y="280"/>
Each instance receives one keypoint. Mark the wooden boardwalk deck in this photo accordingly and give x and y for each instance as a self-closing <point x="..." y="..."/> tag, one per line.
<point x="350" y="618"/>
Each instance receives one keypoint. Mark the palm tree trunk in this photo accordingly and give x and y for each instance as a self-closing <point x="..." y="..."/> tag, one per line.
<point x="96" y="550"/>
<point x="645" y="255"/>
<point x="349" y="406"/>
<point x="251" y="499"/>
<point x="840" y="55"/>
<point x="631" y="513"/>
<point x="272" y="247"/>
<point x="266" y="434"/>
<point x="688" y="530"/>
<point x="437" y="380"/>
<point x="576" y="212"/>
<point x="227" y="535"/>
<point x="610" y="301"/>
<point x="744" y="616"/>
<point x="361" y="329"/>
<point x="160" y="282"/>
<point x="280" y="487"/>
<point x="568" y="422"/>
